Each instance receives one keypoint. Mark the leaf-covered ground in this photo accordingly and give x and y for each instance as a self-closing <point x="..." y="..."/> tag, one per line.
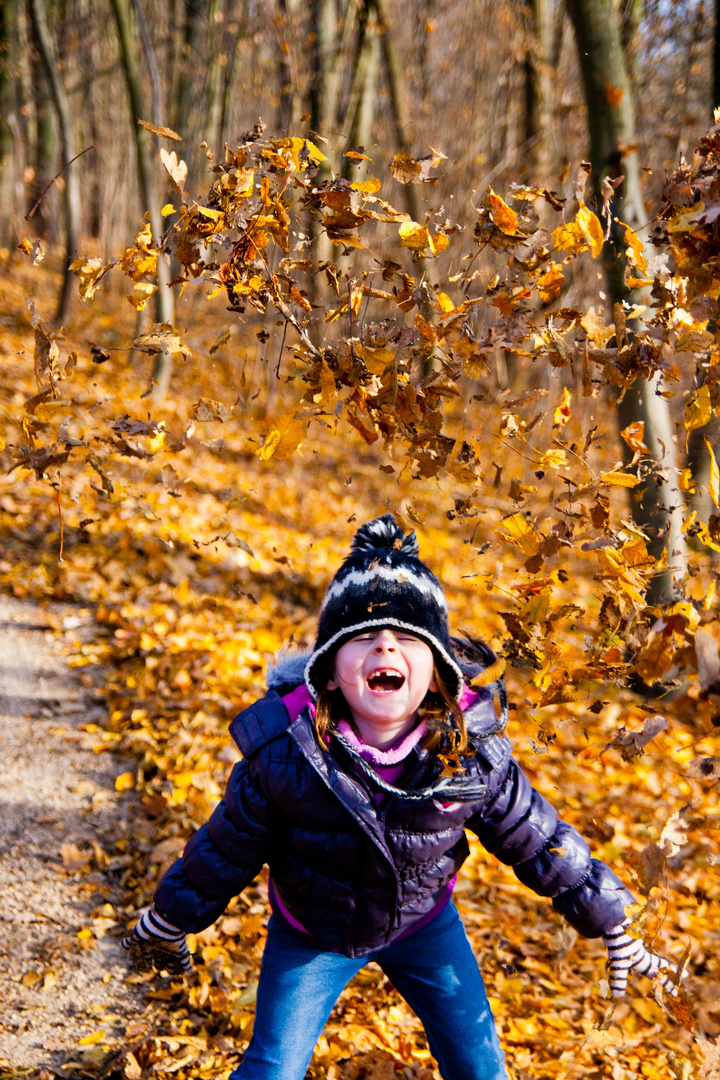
<point x="200" y="563"/>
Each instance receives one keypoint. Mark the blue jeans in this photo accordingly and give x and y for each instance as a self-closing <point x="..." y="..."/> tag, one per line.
<point x="434" y="969"/>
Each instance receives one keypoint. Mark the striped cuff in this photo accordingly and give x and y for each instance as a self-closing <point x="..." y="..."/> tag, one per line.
<point x="153" y="925"/>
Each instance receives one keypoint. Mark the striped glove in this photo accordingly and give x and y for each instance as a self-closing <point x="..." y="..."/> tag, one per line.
<point x="627" y="952"/>
<point x="154" y="942"/>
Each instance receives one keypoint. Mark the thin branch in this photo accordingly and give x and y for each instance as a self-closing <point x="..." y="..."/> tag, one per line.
<point x="57" y="177"/>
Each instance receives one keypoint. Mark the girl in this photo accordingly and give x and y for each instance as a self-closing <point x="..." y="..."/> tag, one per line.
<point x="362" y="768"/>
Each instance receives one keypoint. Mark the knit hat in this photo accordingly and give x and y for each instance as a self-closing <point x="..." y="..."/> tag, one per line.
<point x="382" y="583"/>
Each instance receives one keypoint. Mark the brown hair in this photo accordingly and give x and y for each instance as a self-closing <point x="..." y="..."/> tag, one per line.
<point x="439" y="709"/>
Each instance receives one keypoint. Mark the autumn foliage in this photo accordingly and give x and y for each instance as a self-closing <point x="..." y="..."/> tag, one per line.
<point x="202" y="532"/>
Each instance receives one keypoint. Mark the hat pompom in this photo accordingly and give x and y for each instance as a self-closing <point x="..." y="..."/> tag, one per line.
<point x="382" y="533"/>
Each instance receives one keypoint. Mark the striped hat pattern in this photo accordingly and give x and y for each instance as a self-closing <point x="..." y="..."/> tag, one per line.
<point x="383" y="583"/>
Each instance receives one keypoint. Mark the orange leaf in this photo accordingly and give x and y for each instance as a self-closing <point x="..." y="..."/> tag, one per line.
<point x="502" y="215"/>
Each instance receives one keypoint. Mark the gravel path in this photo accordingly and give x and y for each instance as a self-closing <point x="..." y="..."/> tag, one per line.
<point x="63" y="976"/>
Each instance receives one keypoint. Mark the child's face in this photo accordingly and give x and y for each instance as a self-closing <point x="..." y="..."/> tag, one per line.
<point x="384" y="676"/>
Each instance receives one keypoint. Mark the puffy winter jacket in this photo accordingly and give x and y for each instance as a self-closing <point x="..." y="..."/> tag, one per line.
<point x="355" y="871"/>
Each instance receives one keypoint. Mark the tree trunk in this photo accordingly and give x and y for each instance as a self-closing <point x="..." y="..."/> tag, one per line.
<point x="363" y="94"/>
<point x="288" y="99"/>
<point x="214" y="90"/>
<point x="67" y="149"/>
<point x="323" y="33"/>
<point x="716" y="58"/>
<point x="539" y="90"/>
<point x="611" y="127"/>
<point x="149" y="190"/>
<point x="395" y="73"/>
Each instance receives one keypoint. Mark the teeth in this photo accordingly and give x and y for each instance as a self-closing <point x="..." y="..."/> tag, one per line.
<point x="385" y="681"/>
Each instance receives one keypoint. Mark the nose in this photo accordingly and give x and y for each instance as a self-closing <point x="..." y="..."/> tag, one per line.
<point x="385" y="642"/>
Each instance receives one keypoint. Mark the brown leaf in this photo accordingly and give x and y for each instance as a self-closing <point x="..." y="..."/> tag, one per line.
<point x="707" y="651"/>
<point x="704" y="768"/>
<point x="648" y="864"/>
<point x="631" y="744"/>
<point x="163" y="132"/>
<point x="410" y="170"/>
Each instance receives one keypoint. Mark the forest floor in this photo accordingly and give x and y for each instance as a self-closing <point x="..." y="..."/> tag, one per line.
<point x="144" y="595"/>
<point x="63" y="974"/>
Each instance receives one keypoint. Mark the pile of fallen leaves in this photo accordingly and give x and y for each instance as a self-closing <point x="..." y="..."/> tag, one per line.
<point x="202" y="532"/>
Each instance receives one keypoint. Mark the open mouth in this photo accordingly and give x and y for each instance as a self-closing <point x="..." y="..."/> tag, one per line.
<point x="385" y="681"/>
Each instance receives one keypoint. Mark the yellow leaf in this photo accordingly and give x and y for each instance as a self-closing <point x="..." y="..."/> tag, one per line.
<point x="92" y="1040"/>
<point x="167" y="210"/>
<point x="85" y="934"/>
<point x="413" y="236"/>
<point x="554" y="459"/>
<point x="502" y="215"/>
<point x="125" y="781"/>
<point x="368" y="187"/>
<point x="90" y="273"/>
<point x="438" y="242"/>
<point x="686" y="482"/>
<point x="562" y="411"/>
<point x="569" y="238"/>
<point x="444" y="303"/>
<point x="596" y="329"/>
<point x="619" y="479"/>
<point x="142" y="291"/>
<point x="157" y="440"/>
<point x="591" y="230"/>
<point x="635" y="249"/>
<point x="521" y="533"/>
<point x="698" y="409"/>
<point x="284" y="439"/>
<point x="714" y="481"/>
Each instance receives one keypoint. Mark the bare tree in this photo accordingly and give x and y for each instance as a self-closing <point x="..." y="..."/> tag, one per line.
<point x="149" y="191"/>
<point x="613" y="152"/>
<point x="48" y="58"/>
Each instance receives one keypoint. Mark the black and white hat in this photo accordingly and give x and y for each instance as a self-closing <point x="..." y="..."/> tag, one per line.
<point x="382" y="583"/>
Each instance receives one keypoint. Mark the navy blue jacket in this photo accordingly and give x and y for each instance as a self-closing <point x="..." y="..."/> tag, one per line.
<point x="356" y="874"/>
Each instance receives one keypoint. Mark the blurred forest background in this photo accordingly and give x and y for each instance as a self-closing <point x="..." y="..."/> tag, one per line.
<point x="464" y="274"/>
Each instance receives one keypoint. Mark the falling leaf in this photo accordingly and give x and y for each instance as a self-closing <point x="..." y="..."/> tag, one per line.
<point x="176" y="170"/>
<point x="125" y="781"/>
<point x="158" y="129"/>
<point x="704" y="768"/>
<point x="561" y="414"/>
<point x="613" y="95"/>
<point x="368" y="187"/>
<point x="631" y="744"/>
<point x="409" y="170"/>
<point x="90" y="273"/>
<point x="502" y="215"/>
<point x="619" y="479"/>
<point x="141" y="293"/>
<point x="633" y="435"/>
<point x="591" y="230"/>
<point x="698" y="410"/>
<point x="714" y="479"/>
<point x="707" y="650"/>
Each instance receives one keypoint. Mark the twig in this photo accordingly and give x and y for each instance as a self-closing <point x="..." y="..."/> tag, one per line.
<point x="282" y="346"/>
<point x="60" y="515"/>
<point x="350" y="313"/>
<point x="66" y="166"/>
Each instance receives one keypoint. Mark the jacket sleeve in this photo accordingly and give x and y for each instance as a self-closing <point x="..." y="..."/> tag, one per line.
<point x="550" y="856"/>
<point x="221" y="859"/>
